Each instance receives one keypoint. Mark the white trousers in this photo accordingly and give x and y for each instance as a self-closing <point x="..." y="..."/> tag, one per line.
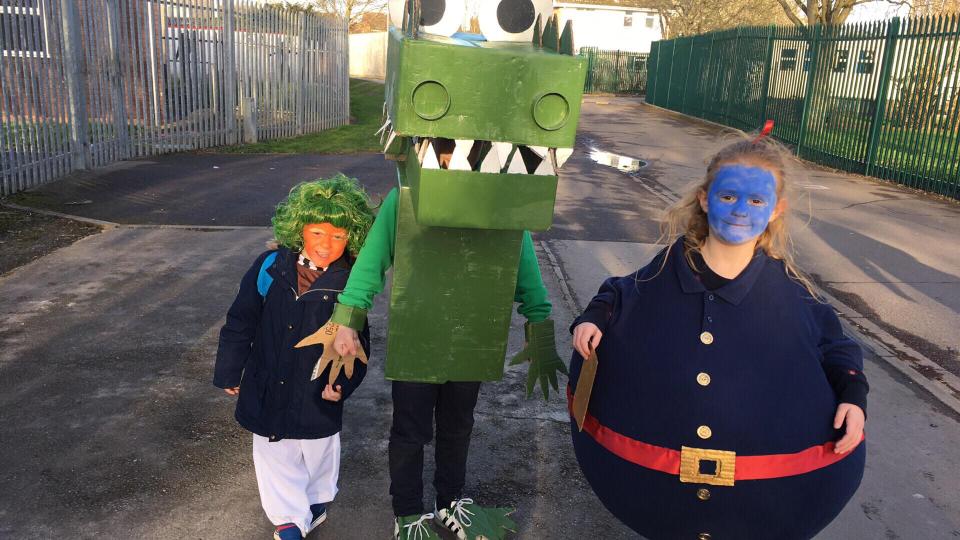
<point x="292" y="474"/>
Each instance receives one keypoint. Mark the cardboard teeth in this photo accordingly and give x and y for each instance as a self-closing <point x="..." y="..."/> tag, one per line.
<point x="429" y="160"/>
<point x="563" y="154"/>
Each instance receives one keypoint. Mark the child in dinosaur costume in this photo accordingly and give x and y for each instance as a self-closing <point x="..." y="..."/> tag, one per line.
<point x="478" y="130"/>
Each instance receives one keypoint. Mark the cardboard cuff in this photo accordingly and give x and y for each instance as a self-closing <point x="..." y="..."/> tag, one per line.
<point x="349" y="316"/>
<point x="540" y="334"/>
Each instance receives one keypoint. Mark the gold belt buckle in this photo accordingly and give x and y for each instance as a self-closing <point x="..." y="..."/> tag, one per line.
<point x="722" y="475"/>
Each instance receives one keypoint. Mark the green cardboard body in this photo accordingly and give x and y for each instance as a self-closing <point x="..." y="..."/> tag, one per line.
<point x="475" y="200"/>
<point x="451" y="300"/>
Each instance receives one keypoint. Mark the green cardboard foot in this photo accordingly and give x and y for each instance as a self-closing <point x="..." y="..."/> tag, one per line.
<point x="489" y="523"/>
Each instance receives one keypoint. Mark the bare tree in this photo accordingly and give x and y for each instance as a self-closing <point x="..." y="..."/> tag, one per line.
<point x="690" y="17"/>
<point x="809" y="12"/>
<point x="934" y="7"/>
<point x="351" y="10"/>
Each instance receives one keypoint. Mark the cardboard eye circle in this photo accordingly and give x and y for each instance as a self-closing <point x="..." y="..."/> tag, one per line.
<point x="511" y="20"/>
<point x="430" y="100"/>
<point x="442" y="17"/>
<point x="550" y="111"/>
<point x="516" y="16"/>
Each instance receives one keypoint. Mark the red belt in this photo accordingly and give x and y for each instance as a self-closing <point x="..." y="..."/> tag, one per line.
<point x="729" y="466"/>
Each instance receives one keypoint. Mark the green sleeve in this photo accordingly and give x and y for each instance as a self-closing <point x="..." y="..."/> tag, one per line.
<point x="531" y="293"/>
<point x="368" y="275"/>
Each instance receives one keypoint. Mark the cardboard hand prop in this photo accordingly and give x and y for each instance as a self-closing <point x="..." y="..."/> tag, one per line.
<point x="330" y="357"/>
<point x="541" y="352"/>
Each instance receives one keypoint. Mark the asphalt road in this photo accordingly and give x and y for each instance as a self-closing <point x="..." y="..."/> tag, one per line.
<point x="111" y="427"/>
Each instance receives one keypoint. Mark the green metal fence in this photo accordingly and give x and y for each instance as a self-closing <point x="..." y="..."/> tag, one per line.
<point x="881" y="98"/>
<point x="615" y="72"/>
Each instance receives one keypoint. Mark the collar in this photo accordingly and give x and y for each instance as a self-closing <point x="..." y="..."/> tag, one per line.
<point x="287" y="260"/>
<point x="303" y="261"/>
<point x="733" y="292"/>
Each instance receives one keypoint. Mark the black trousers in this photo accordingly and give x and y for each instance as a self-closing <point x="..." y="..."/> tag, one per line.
<point x="415" y="406"/>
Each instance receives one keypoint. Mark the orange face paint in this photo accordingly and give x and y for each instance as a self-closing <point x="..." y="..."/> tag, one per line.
<point x="324" y="243"/>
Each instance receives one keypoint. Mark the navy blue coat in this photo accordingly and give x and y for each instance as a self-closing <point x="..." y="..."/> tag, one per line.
<point x="767" y="393"/>
<point x="277" y="398"/>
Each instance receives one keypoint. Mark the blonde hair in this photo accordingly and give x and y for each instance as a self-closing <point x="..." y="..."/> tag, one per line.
<point x="686" y="217"/>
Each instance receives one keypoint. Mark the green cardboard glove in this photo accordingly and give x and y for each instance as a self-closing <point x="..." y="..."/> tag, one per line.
<point x="541" y="351"/>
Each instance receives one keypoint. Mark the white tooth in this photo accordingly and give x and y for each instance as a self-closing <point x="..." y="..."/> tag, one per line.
<point x="429" y="160"/>
<point x="492" y="163"/>
<point x="545" y="168"/>
<point x="464" y="145"/>
<point x="383" y="128"/>
<point x="422" y="150"/>
<point x="517" y="166"/>
<point x="503" y="152"/>
<point x="539" y="150"/>
<point x="563" y="154"/>
<point x="393" y="134"/>
<point x="459" y="161"/>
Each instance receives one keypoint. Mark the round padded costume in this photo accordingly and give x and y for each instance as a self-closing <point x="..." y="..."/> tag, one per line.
<point x="739" y="369"/>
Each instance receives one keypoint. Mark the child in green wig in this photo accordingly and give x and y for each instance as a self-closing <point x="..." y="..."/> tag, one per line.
<point x="295" y="413"/>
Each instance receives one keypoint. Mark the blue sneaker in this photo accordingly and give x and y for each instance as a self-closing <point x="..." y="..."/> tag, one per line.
<point x="319" y="511"/>
<point x="287" y="531"/>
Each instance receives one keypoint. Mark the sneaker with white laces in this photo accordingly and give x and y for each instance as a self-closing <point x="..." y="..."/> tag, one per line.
<point x="319" y="512"/>
<point x="456" y="517"/>
<point x="414" y="527"/>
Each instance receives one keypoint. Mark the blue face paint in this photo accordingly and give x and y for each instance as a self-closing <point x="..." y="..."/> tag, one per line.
<point x="740" y="202"/>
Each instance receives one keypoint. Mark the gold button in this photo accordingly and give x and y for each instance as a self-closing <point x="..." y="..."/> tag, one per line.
<point x="704" y="432"/>
<point x="703" y="494"/>
<point x="706" y="338"/>
<point x="703" y="536"/>
<point x="703" y="379"/>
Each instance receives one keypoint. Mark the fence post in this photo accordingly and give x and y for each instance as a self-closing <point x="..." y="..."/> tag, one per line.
<point x="116" y="79"/>
<point x="301" y="99"/>
<point x="879" y="110"/>
<point x="76" y="74"/>
<point x="673" y="54"/>
<point x="814" y="50"/>
<point x="708" y="88"/>
<point x="230" y="70"/>
<point x="765" y="86"/>
<point x="652" y="61"/>
<point x="736" y="50"/>
<point x="686" y="78"/>
<point x="248" y="113"/>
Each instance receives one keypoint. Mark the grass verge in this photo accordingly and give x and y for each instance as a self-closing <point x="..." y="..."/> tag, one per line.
<point x="366" y="107"/>
<point x="25" y="236"/>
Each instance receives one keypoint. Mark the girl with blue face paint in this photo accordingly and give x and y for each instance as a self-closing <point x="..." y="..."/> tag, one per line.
<point x="741" y="202"/>
<point x="720" y="343"/>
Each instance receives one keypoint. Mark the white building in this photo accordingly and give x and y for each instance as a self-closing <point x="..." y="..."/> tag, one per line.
<point x="624" y="25"/>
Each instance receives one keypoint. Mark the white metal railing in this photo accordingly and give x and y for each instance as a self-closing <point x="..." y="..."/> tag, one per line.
<point x="86" y="83"/>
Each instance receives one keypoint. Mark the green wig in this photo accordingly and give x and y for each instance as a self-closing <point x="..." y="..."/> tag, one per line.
<point x="339" y="201"/>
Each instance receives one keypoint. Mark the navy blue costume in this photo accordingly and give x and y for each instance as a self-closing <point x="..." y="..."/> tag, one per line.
<point x="277" y="398"/>
<point x="743" y="368"/>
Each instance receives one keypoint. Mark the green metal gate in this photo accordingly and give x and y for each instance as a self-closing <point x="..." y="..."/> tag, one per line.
<point x="615" y="72"/>
<point x="879" y="98"/>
